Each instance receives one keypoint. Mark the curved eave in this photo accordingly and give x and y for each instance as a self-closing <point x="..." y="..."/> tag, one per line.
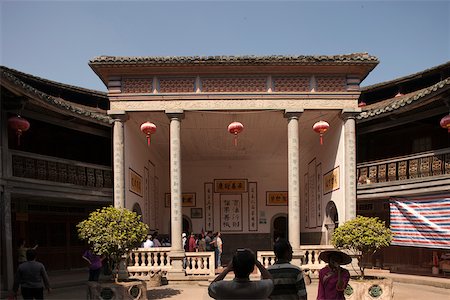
<point x="78" y="110"/>
<point x="374" y="111"/>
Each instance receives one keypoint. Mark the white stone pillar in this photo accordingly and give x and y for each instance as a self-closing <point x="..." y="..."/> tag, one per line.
<point x="176" y="217"/>
<point x="119" y="158"/>
<point x="293" y="179"/>
<point x="349" y="164"/>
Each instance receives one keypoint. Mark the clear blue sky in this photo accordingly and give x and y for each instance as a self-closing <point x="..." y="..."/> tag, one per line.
<point x="56" y="39"/>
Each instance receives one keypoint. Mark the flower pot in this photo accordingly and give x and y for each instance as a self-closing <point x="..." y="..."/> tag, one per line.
<point x="122" y="290"/>
<point x="370" y="289"/>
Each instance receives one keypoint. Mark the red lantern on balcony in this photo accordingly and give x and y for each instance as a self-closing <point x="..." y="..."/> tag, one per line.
<point x="321" y="127"/>
<point x="148" y="128"/>
<point x="445" y="122"/>
<point x="19" y="125"/>
<point x="235" y="128"/>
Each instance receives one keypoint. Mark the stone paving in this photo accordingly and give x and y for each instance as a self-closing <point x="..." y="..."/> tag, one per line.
<point x="199" y="291"/>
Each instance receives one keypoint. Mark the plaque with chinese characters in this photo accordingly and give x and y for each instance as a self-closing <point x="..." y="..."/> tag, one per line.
<point x="231" y="213"/>
<point x="252" y="206"/>
<point x="209" y="207"/>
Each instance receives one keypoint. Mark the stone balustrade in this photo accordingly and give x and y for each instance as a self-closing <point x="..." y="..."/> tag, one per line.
<point x="142" y="263"/>
<point x="307" y="257"/>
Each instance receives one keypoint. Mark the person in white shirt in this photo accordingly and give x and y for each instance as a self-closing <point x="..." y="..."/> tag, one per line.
<point x="148" y="243"/>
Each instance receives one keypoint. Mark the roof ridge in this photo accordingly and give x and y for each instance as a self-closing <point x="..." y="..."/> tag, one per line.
<point x="399" y="79"/>
<point x="359" y="56"/>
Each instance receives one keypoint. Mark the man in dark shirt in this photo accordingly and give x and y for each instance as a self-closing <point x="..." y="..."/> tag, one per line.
<point x="287" y="279"/>
<point x="32" y="277"/>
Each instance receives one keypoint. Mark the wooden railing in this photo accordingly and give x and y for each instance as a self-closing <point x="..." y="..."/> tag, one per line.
<point x="433" y="163"/>
<point x="35" y="166"/>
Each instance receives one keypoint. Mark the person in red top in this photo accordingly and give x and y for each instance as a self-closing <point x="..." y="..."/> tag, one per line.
<point x="192" y="243"/>
<point x="333" y="279"/>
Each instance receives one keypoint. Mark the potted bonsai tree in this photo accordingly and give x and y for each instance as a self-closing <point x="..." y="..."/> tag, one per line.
<point x="363" y="236"/>
<point x="112" y="232"/>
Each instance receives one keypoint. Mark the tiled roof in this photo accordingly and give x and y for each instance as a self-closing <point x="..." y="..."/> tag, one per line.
<point x="395" y="103"/>
<point x="74" y="108"/>
<point x="74" y="88"/>
<point x="237" y="60"/>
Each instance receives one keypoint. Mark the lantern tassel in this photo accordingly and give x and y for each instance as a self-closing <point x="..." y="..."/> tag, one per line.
<point x="321" y="139"/>
<point x="148" y="140"/>
<point x="19" y="133"/>
<point x="235" y="139"/>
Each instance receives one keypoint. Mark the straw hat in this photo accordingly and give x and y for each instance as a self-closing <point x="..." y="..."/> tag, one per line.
<point x="342" y="258"/>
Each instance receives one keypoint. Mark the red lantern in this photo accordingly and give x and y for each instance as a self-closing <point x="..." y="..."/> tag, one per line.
<point x="362" y="104"/>
<point x="148" y="128"/>
<point x="321" y="127"/>
<point x="19" y="125"/>
<point x="235" y="128"/>
<point x="445" y="122"/>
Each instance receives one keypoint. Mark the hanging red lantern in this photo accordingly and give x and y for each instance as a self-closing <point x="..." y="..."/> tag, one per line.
<point x="321" y="127"/>
<point x="235" y="128"/>
<point x="148" y="128"/>
<point x="19" y="125"/>
<point x="445" y="122"/>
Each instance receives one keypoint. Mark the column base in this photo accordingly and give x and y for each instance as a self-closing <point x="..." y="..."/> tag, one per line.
<point x="177" y="271"/>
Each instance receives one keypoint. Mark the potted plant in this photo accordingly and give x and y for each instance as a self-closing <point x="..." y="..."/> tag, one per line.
<point x="363" y="236"/>
<point x="112" y="232"/>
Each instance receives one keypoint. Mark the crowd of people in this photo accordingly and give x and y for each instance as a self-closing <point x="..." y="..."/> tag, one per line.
<point x="282" y="280"/>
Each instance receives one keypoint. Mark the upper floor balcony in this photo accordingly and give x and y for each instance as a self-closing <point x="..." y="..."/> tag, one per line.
<point x="47" y="176"/>
<point x="420" y="173"/>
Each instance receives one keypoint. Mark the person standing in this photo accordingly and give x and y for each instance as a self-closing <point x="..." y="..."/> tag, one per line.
<point x="241" y="287"/>
<point x="32" y="277"/>
<point x="156" y="242"/>
<point x="95" y="264"/>
<point x="201" y="243"/>
<point x="333" y="279"/>
<point x="148" y="243"/>
<point x="192" y="244"/>
<point x="208" y="241"/>
<point x="22" y="251"/>
<point x="288" y="279"/>
<point x="218" y="244"/>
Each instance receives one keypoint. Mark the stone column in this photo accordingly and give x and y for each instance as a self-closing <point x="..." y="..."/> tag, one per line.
<point x="348" y="118"/>
<point x="293" y="179"/>
<point x="6" y="242"/>
<point x="119" y="158"/>
<point x="176" y="217"/>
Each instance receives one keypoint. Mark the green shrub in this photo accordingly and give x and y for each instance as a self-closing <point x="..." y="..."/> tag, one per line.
<point x="112" y="232"/>
<point x="363" y="236"/>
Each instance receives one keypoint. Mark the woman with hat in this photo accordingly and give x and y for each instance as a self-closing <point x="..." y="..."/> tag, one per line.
<point x="333" y="279"/>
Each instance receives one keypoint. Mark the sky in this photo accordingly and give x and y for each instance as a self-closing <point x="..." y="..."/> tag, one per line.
<point x="56" y="39"/>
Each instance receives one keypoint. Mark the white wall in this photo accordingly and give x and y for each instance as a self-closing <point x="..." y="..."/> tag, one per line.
<point x="269" y="176"/>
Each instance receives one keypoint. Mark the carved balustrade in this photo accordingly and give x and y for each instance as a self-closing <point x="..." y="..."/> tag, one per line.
<point x="426" y="164"/>
<point x="41" y="167"/>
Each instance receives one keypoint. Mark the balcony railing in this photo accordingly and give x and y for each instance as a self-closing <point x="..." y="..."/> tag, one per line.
<point x="426" y="164"/>
<point x="35" y="166"/>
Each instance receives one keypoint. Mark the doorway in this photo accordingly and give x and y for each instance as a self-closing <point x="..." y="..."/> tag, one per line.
<point x="280" y="227"/>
